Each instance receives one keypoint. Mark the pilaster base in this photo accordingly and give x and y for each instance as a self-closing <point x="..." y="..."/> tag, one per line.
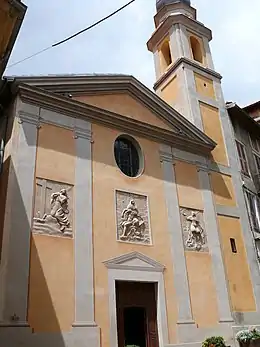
<point x="190" y="334"/>
<point x="79" y="336"/>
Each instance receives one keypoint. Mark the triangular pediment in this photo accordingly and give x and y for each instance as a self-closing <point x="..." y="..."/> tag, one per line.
<point x="134" y="261"/>
<point x="125" y="105"/>
<point x="120" y="101"/>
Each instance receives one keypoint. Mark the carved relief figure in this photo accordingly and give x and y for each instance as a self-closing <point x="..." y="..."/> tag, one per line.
<point x="59" y="209"/>
<point x="55" y="218"/>
<point x="132" y="226"/>
<point x="132" y="223"/>
<point x="194" y="234"/>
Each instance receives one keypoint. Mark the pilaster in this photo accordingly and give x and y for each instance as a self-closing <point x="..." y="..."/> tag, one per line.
<point x="174" y="226"/>
<point x="209" y="59"/>
<point x="14" y="274"/>
<point x="241" y="204"/>
<point x="84" y="286"/>
<point x="14" y="329"/>
<point x="215" y="248"/>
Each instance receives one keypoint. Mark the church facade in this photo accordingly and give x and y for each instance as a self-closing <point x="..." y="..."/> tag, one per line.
<point x="123" y="219"/>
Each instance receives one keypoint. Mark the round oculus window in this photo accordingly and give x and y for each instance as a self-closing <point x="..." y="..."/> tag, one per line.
<point x="127" y="155"/>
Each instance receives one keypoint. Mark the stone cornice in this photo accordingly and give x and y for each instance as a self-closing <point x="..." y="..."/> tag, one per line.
<point x="189" y="23"/>
<point x="77" y="109"/>
<point x="182" y="62"/>
<point x="168" y="8"/>
<point x="109" y="84"/>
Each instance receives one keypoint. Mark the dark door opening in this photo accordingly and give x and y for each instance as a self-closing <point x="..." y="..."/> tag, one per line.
<point x="136" y="314"/>
<point x="135" y="326"/>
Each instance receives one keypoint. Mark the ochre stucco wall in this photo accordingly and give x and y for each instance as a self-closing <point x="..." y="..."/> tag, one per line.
<point x="106" y="178"/>
<point x="237" y="271"/>
<point x="212" y="128"/>
<point x="51" y="284"/>
<point x="125" y="105"/>
<point x="51" y="299"/>
<point x="56" y="154"/>
<point x="202" y="289"/>
<point x="188" y="185"/>
<point x="223" y="190"/>
<point x="204" y="86"/>
<point x="169" y="92"/>
<point x="199" y="265"/>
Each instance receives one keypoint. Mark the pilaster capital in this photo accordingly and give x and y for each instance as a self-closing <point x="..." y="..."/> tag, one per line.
<point x="30" y="118"/>
<point x="202" y="167"/>
<point x="166" y="157"/>
<point x="83" y="134"/>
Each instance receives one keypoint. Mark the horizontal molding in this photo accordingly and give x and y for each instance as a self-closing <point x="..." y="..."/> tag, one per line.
<point x="84" y="325"/>
<point x="226" y="170"/>
<point x="228" y="211"/>
<point x="208" y="101"/>
<point x="190" y="64"/>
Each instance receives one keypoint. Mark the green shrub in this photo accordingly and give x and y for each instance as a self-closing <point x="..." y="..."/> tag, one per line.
<point x="216" y="341"/>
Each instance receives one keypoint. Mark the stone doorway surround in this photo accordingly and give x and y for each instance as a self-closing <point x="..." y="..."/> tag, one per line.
<point x="137" y="267"/>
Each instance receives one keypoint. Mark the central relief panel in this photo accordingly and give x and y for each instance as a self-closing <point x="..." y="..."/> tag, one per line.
<point x="132" y="216"/>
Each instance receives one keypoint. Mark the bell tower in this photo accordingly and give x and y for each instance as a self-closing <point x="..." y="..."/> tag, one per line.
<point x="187" y="81"/>
<point x="185" y="75"/>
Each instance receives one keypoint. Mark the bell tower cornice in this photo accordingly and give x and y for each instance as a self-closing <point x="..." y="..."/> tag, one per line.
<point x="174" y="20"/>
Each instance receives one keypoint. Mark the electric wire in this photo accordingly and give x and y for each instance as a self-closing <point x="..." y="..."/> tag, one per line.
<point x="74" y="35"/>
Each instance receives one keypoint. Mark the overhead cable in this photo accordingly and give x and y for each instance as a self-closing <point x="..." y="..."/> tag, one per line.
<point x="74" y="35"/>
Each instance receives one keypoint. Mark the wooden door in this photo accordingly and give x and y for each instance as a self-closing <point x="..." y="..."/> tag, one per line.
<point x="137" y="295"/>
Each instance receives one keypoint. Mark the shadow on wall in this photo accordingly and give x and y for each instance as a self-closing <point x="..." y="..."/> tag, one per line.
<point x="44" y="327"/>
<point x="222" y="187"/>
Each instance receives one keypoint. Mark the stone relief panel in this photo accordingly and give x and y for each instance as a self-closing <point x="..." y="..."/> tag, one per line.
<point x="194" y="235"/>
<point x="132" y="218"/>
<point x="53" y="208"/>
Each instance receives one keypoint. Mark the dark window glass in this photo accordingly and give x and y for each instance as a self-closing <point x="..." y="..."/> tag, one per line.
<point x="126" y="155"/>
<point x="242" y="158"/>
<point x="257" y="161"/>
<point x="233" y="245"/>
<point x="253" y="206"/>
<point x="255" y="144"/>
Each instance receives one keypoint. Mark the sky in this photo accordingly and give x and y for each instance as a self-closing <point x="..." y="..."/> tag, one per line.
<point x="119" y="44"/>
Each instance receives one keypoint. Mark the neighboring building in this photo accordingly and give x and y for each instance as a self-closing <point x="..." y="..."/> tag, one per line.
<point x="247" y="136"/>
<point x="11" y="17"/>
<point x="254" y="111"/>
<point x="123" y="213"/>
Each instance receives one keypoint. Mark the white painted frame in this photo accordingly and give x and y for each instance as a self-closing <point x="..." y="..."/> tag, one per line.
<point x="150" y="271"/>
